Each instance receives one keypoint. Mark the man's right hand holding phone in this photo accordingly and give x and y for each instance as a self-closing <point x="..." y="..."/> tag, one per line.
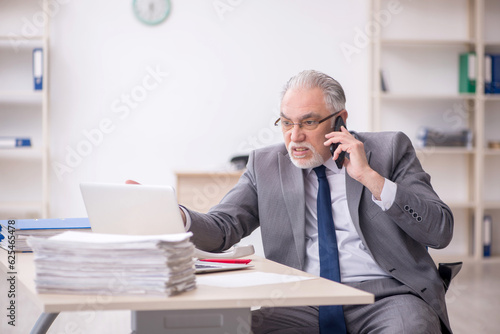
<point x="355" y="163"/>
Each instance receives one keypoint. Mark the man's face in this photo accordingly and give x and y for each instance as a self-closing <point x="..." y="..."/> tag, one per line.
<point x="305" y="147"/>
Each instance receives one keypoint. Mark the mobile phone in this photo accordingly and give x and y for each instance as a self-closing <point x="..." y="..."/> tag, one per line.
<point x="336" y="127"/>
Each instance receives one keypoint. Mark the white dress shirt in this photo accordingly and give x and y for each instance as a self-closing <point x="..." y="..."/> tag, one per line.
<point x="355" y="260"/>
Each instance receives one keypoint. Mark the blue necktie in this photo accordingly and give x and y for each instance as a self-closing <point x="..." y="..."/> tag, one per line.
<point x="331" y="318"/>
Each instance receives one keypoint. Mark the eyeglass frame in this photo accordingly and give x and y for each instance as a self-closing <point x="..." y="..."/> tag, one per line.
<point x="319" y="122"/>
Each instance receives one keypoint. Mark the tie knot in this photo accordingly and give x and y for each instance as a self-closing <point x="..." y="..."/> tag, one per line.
<point x="320" y="171"/>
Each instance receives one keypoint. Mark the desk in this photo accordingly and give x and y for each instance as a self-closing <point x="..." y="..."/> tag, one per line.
<point x="317" y="291"/>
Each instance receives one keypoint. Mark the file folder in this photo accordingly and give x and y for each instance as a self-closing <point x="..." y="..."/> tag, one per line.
<point x="487" y="221"/>
<point x="467" y="73"/>
<point x="492" y="74"/>
<point x="13" y="142"/>
<point x="38" y="68"/>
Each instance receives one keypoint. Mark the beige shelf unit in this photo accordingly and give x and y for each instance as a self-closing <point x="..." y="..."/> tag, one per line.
<point x="417" y="50"/>
<point x="200" y="191"/>
<point x="24" y="112"/>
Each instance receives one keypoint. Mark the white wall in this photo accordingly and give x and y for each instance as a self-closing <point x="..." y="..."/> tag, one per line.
<point x="219" y="98"/>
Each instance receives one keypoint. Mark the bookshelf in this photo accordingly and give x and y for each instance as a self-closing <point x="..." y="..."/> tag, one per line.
<point x="24" y="25"/>
<point x="417" y="50"/>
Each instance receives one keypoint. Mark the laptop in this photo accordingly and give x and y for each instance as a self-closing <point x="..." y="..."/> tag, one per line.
<point x="139" y="210"/>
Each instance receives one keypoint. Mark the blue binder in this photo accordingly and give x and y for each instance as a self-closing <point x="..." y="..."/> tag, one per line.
<point x="38" y="68"/>
<point x="492" y="74"/>
<point x="487" y="222"/>
<point x="13" y="142"/>
<point x="45" y="224"/>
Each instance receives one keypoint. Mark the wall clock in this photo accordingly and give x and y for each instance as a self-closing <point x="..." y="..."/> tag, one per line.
<point x="151" y="12"/>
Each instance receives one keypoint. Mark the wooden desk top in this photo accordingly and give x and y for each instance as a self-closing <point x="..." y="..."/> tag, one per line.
<point x="317" y="291"/>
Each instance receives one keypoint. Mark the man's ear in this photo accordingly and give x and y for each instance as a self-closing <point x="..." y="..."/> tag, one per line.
<point x="344" y="114"/>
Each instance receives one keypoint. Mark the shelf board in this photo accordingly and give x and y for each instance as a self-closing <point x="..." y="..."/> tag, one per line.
<point x="492" y="259"/>
<point x="492" y="152"/>
<point x="492" y="44"/>
<point x="427" y="42"/>
<point x="445" y="150"/>
<point x="7" y="41"/>
<point x="449" y="258"/>
<point x="21" y="96"/>
<point x="21" y="153"/>
<point x="492" y="205"/>
<point x="407" y="97"/>
<point x="20" y="93"/>
<point x="465" y="258"/>
<point x="18" y="37"/>
<point x="492" y="97"/>
<point x="460" y="205"/>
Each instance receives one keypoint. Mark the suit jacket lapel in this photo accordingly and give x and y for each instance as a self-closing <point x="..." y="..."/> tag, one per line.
<point x="354" y="191"/>
<point x="292" y="187"/>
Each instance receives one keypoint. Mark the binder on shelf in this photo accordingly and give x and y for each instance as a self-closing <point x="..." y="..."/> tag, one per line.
<point x="492" y="74"/>
<point x="487" y="221"/>
<point x="383" y="82"/>
<point x="467" y="73"/>
<point x="13" y="142"/>
<point x="38" y="68"/>
<point x="15" y="232"/>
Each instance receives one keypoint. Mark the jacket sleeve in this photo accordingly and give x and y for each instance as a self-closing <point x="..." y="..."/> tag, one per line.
<point x="235" y="217"/>
<point x="417" y="209"/>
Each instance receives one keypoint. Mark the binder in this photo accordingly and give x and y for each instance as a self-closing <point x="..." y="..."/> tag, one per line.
<point x="492" y="74"/>
<point x="428" y="137"/>
<point x="38" y="68"/>
<point x="467" y="73"/>
<point x="487" y="221"/>
<point x="45" y="224"/>
<point x="14" y="233"/>
<point x="13" y="142"/>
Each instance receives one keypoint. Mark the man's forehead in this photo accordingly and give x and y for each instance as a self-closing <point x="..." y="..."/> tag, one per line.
<point x="312" y="99"/>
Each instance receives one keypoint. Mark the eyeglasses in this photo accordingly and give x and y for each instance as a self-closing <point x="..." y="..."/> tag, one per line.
<point x="308" y="124"/>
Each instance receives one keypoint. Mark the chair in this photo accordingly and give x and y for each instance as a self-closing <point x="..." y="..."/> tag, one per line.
<point x="448" y="271"/>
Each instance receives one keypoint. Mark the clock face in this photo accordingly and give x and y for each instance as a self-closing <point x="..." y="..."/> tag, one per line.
<point x="151" y="11"/>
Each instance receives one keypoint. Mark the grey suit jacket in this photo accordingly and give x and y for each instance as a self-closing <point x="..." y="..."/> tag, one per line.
<point x="270" y="194"/>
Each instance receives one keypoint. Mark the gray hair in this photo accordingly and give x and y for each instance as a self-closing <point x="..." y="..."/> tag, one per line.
<point x="332" y="90"/>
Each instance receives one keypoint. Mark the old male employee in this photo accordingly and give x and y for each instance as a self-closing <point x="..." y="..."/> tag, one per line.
<point x="366" y="223"/>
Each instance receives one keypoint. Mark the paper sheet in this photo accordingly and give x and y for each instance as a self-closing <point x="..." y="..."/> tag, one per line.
<point x="247" y="279"/>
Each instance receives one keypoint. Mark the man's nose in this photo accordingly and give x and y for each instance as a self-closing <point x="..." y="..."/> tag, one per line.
<point x="297" y="134"/>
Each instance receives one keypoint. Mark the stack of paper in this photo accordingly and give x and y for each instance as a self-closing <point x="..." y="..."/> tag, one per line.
<point x="91" y="263"/>
<point x="15" y="232"/>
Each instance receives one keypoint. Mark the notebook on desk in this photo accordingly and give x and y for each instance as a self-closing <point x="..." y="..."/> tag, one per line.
<point x="139" y="210"/>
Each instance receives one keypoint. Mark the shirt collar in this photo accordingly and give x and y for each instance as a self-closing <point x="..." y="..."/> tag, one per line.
<point x="331" y="167"/>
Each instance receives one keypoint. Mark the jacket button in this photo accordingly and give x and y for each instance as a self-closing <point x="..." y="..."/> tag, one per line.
<point x="419" y="219"/>
<point x="407" y="207"/>
<point x="415" y="215"/>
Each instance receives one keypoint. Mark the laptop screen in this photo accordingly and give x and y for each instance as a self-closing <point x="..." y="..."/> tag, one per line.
<point x="132" y="209"/>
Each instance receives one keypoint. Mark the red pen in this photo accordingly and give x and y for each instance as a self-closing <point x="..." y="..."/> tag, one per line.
<point x="242" y="261"/>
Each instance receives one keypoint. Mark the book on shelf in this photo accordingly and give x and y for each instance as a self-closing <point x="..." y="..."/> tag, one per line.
<point x="467" y="73"/>
<point x="14" y="142"/>
<point x="38" y="69"/>
<point x="15" y="232"/>
<point x="383" y="82"/>
<point x="428" y="137"/>
<point x="95" y="263"/>
<point x="492" y="74"/>
<point x="487" y="222"/>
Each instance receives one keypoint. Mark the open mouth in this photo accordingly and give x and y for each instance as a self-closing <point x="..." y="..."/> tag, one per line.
<point x="300" y="152"/>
